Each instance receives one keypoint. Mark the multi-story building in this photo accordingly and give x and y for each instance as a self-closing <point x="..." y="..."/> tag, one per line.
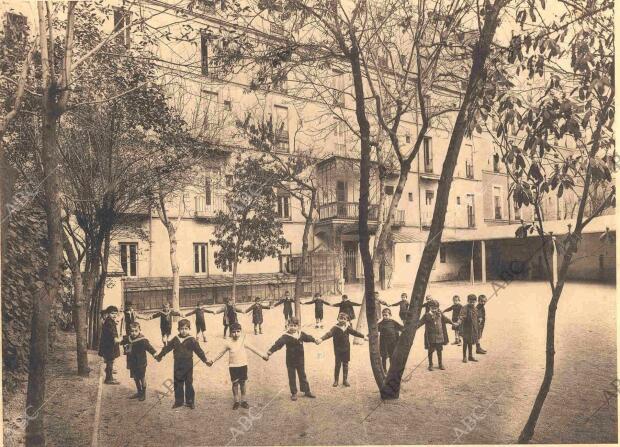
<point x="478" y="242"/>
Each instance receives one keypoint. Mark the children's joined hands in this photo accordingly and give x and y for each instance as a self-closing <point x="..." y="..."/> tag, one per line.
<point x="209" y="363"/>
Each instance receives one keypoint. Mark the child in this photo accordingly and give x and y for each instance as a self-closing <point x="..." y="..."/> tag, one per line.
<point x="257" y="315"/>
<point x="238" y="363"/>
<point x="346" y="306"/>
<point x="201" y="327"/>
<point x="165" y="323"/>
<point x="435" y="332"/>
<point x="287" y="308"/>
<point x="389" y="331"/>
<point x="342" y="348"/>
<point x="109" y="343"/>
<point x="482" y="318"/>
<point x="230" y="314"/>
<point x="403" y="307"/>
<point x="294" y="342"/>
<point x="468" y="325"/>
<point x="183" y="346"/>
<point x="136" y="347"/>
<point x="456" y="311"/>
<point x="318" y="309"/>
<point x="130" y="316"/>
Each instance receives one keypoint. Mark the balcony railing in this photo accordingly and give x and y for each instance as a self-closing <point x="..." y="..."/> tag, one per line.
<point x="204" y="209"/>
<point x="346" y="210"/>
<point x="398" y="218"/>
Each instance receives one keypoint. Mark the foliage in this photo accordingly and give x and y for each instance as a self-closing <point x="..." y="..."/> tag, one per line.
<point x="250" y="230"/>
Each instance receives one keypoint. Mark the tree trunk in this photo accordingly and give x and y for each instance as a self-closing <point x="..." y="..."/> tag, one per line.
<point x="304" y="258"/>
<point x="530" y="425"/>
<point x="48" y="292"/>
<point x="79" y="311"/>
<point x="174" y="264"/>
<point x="391" y="386"/>
<point x="364" y="235"/>
<point x="234" y="282"/>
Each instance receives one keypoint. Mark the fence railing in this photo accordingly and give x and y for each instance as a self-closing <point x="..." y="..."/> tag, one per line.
<point x="204" y="208"/>
<point x="346" y="210"/>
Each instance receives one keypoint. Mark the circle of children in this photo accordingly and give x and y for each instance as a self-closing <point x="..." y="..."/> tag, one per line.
<point x="467" y="321"/>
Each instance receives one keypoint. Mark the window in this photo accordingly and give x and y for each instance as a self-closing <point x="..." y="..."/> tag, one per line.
<point x="458" y="200"/>
<point x="281" y="126"/>
<point x="227" y="105"/>
<point x="430" y="195"/>
<point x="471" y="216"/>
<point x="428" y="155"/>
<point x="389" y="190"/>
<point x="122" y="19"/>
<point x="469" y="169"/>
<point x="341" y="137"/>
<point x="495" y="162"/>
<point x="15" y="28"/>
<point x="410" y="195"/>
<point x="200" y="258"/>
<point x="442" y="254"/>
<point x="129" y="258"/>
<point x="208" y="191"/>
<point x="407" y="258"/>
<point x="497" y="202"/>
<point x="210" y="109"/>
<point x="284" y="207"/>
<point x="338" y="85"/>
<point x="407" y="138"/>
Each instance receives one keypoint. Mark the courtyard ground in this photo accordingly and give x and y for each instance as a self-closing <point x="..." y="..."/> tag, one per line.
<point x="484" y="402"/>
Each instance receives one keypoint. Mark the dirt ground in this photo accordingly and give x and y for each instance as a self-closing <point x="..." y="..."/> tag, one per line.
<point x="487" y="402"/>
<point x="69" y="406"/>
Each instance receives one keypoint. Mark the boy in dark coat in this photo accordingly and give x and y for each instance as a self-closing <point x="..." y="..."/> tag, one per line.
<point x="183" y="346"/>
<point x="165" y="323"/>
<point x="318" y="309"/>
<point x="342" y="348"/>
<point x="468" y="325"/>
<point x="130" y="316"/>
<point x="403" y="307"/>
<point x="456" y="311"/>
<point x="230" y="314"/>
<point x="201" y="326"/>
<point x="287" y="307"/>
<point x="435" y="332"/>
<point x="109" y="343"/>
<point x="482" y="318"/>
<point x="346" y="306"/>
<point x="389" y="331"/>
<point x="136" y="347"/>
<point x="294" y="342"/>
<point x="257" y="315"/>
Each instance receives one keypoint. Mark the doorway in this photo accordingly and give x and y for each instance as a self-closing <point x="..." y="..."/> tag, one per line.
<point x="349" y="266"/>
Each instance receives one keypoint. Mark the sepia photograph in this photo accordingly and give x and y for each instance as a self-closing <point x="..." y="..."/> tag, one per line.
<point x="285" y="222"/>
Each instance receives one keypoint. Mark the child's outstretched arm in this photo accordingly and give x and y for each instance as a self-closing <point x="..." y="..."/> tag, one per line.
<point x="218" y="356"/>
<point x="355" y="333"/>
<point x="356" y="304"/>
<point x="150" y="349"/>
<point x="166" y="349"/>
<point x="448" y="309"/>
<point x="280" y="342"/>
<point x="190" y="313"/>
<point x="255" y="350"/>
<point x="310" y="302"/>
<point x="248" y="309"/>
<point x="306" y="338"/>
<point x="329" y="334"/>
<point x="278" y="303"/>
<point x="155" y="315"/>
<point x="199" y="352"/>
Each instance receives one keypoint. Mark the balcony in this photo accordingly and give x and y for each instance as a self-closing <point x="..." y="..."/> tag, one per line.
<point x="346" y="211"/>
<point x="398" y="219"/>
<point x="202" y="209"/>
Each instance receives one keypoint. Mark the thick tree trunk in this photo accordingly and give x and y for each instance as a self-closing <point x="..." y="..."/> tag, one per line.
<point x="49" y="290"/>
<point x="79" y="311"/>
<point x="391" y="387"/>
<point x="364" y="235"/>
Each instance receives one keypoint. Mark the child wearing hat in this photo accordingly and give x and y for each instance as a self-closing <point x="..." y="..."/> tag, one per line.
<point x="435" y="332"/>
<point x="294" y="341"/>
<point x="109" y="343"/>
<point x="342" y="348"/>
<point x="468" y="324"/>
<point x="136" y="346"/>
<point x="184" y="346"/>
<point x="238" y="363"/>
<point x="165" y="321"/>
